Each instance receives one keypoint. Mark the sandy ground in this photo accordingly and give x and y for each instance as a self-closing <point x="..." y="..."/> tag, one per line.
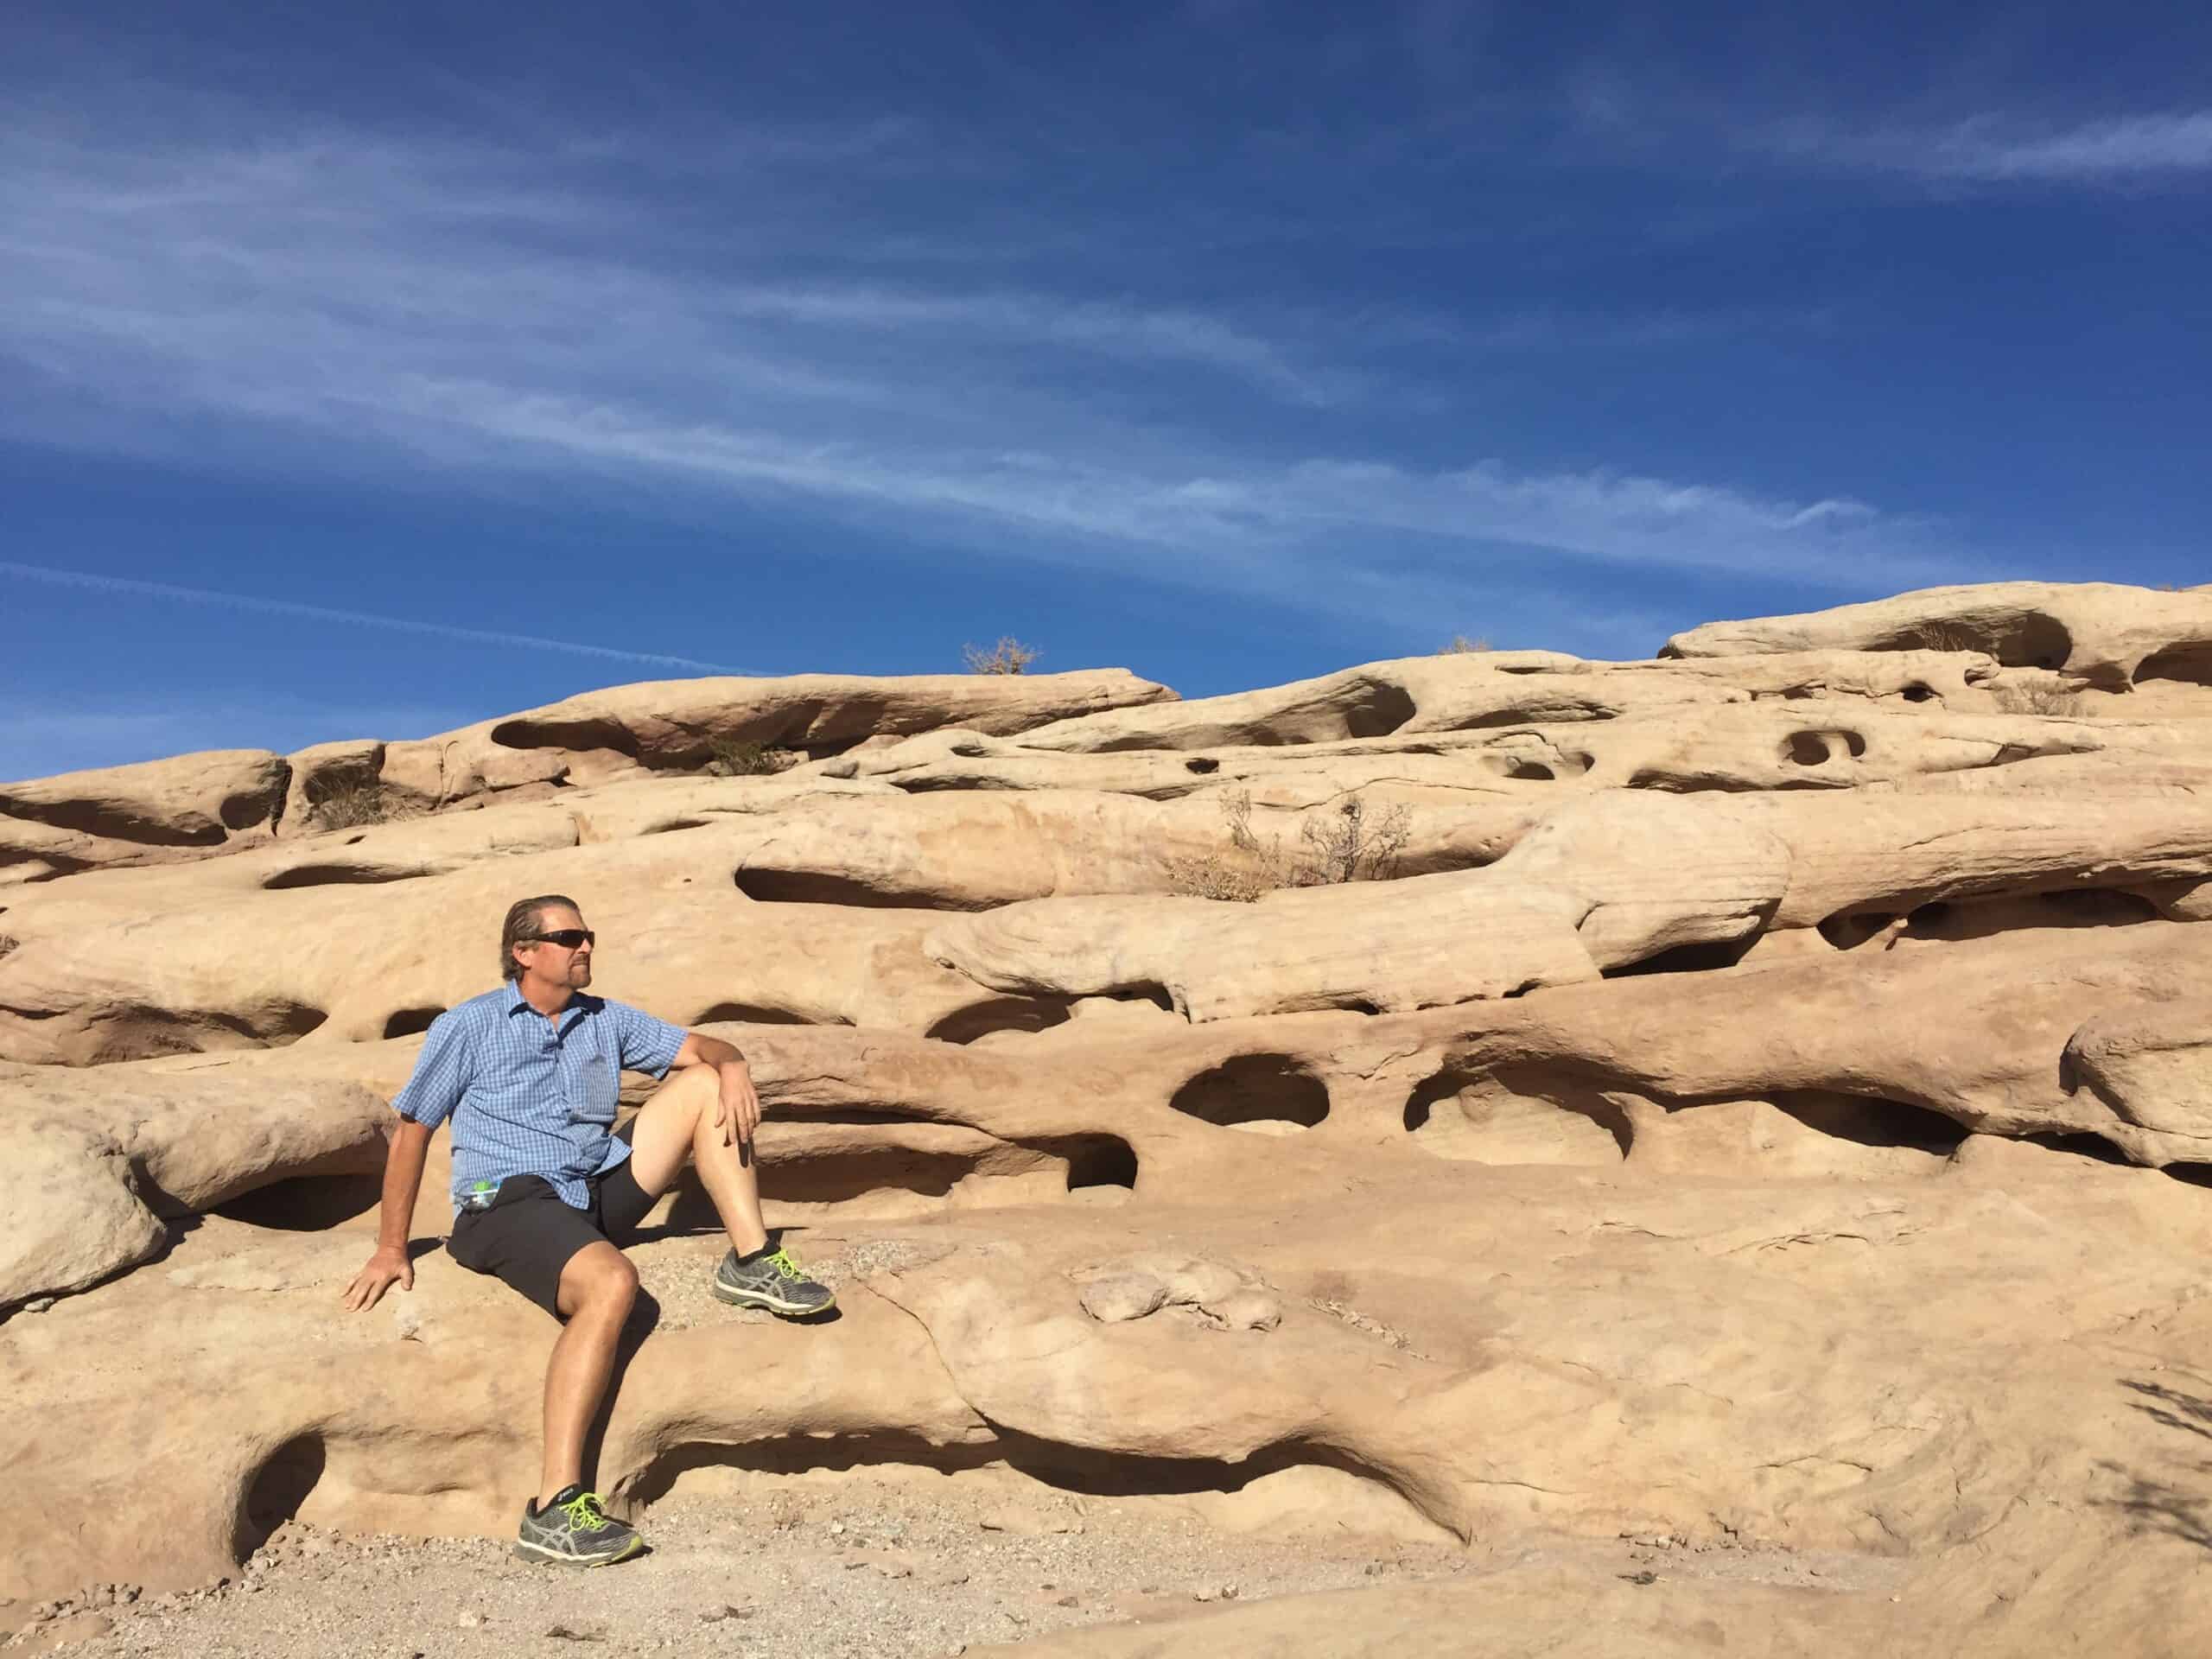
<point x="862" y="1564"/>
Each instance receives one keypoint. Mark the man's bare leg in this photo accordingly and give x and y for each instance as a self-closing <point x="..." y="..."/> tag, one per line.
<point x="597" y="1289"/>
<point x="678" y="1123"/>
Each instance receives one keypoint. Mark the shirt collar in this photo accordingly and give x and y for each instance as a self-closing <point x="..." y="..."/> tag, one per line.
<point x="581" y="1002"/>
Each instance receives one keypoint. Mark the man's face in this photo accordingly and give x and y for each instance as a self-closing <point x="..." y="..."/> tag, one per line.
<point x="558" y="963"/>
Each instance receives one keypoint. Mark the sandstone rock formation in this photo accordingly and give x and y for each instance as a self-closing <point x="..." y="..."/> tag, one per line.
<point x="188" y="806"/>
<point x="1756" y="1099"/>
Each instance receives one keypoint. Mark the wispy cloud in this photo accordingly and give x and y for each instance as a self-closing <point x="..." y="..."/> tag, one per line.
<point x="2132" y="149"/>
<point x="39" y="740"/>
<point x="483" y="310"/>
<point x="132" y="587"/>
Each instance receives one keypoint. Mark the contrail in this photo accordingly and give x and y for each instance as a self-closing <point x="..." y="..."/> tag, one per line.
<point x="325" y="614"/>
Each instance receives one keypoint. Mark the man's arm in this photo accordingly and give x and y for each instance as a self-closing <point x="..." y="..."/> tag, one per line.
<point x="737" y="1104"/>
<point x="403" y="1180"/>
<point x="440" y="1078"/>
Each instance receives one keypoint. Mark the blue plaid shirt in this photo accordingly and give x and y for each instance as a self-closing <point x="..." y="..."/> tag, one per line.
<point x="526" y="1099"/>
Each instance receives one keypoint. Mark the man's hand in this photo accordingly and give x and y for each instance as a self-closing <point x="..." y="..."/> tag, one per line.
<point x="386" y="1268"/>
<point x="737" y="1106"/>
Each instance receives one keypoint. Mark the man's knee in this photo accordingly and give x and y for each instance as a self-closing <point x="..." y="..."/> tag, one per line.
<point x="601" y="1278"/>
<point x="690" y="1092"/>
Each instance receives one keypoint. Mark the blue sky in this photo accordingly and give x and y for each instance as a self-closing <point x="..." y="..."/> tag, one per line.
<point x="371" y="373"/>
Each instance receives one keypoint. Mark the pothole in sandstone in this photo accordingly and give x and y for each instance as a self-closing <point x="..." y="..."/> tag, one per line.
<point x="338" y="875"/>
<point x="2190" y="662"/>
<point x="1955" y="921"/>
<point x="139" y="1033"/>
<point x="1260" y="1094"/>
<point x="1470" y="1118"/>
<point x="1819" y="749"/>
<point x="767" y="886"/>
<point x="999" y="1015"/>
<point x="305" y="1203"/>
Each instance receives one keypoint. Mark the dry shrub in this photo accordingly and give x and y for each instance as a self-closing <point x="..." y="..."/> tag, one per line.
<point x="731" y="758"/>
<point x="8" y="942"/>
<point x="1009" y="656"/>
<point x="1461" y="644"/>
<point x="2038" y="700"/>
<point x="1947" y="636"/>
<point x="1239" y="873"/>
<point x="1354" y="846"/>
<point x="348" y="800"/>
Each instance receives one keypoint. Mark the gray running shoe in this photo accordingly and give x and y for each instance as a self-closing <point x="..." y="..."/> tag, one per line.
<point x="575" y="1531"/>
<point x="770" y="1280"/>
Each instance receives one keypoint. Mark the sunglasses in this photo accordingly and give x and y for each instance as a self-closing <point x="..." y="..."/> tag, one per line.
<point x="568" y="938"/>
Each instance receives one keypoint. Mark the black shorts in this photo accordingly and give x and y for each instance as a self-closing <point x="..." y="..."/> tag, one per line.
<point x="528" y="1234"/>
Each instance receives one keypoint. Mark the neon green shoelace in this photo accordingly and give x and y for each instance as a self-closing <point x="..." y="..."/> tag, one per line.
<point x="785" y="1265"/>
<point x="585" y="1513"/>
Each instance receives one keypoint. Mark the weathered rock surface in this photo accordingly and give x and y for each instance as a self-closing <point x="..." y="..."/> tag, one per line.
<point x="93" y="1162"/>
<point x="2106" y="633"/>
<point x="185" y="807"/>
<point x="1748" y="1108"/>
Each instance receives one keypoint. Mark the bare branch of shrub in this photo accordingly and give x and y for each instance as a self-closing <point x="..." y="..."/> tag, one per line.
<point x="1009" y="656"/>
<point x="1353" y="849"/>
<point x="1462" y="646"/>
<point x="1353" y="846"/>
<point x="348" y="800"/>
<point x="734" y="759"/>
<point x="1947" y="636"/>
<point x="2038" y="700"/>
<point x="8" y="942"/>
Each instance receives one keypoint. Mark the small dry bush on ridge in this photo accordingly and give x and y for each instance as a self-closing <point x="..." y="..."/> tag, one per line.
<point x="350" y="800"/>
<point x="729" y="758"/>
<point x="1009" y="656"/>
<point x="1461" y="646"/>
<point x="2038" y="700"/>
<point x="1353" y="846"/>
<point x="1946" y="636"/>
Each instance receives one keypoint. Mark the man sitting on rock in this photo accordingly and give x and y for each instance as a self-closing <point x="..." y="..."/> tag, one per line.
<point x="542" y="1189"/>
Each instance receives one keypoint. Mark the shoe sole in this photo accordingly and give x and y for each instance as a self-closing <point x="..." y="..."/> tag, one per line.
<point x="762" y="1300"/>
<point x="539" y="1553"/>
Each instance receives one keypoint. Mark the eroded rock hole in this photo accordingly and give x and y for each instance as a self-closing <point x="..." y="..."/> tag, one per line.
<point x="2081" y="1145"/>
<point x="2189" y="663"/>
<point x="336" y="875"/>
<point x="1872" y="1121"/>
<point x="1917" y="693"/>
<point x="771" y="887"/>
<point x="2016" y="640"/>
<point x="1380" y="711"/>
<point x="1688" y="959"/>
<point x="749" y="1014"/>
<point x="571" y="735"/>
<point x="1848" y="929"/>
<point x="1818" y="748"/>
<point x="306" y="1203"/>
<point x="110" y="822"/>
<point x="1508" y="1119"/>
<point x="277" y="1491"/>
<point x="1004" y="1013"/>
<point x="407" y="1021"/>
<point x="1202" y="763"/>
<point x="1955" y="921"/>
<point x="1255" y="1089"/>
<point x="1094" y="1160"/>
